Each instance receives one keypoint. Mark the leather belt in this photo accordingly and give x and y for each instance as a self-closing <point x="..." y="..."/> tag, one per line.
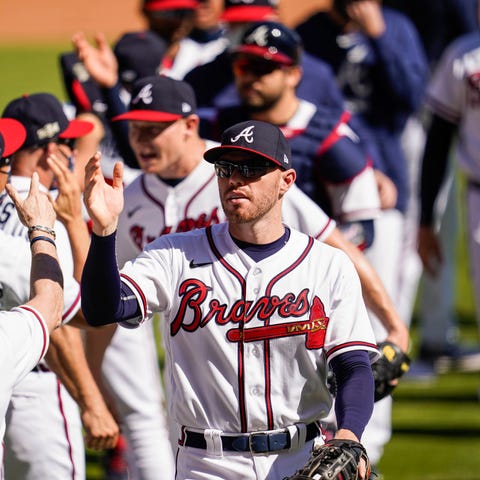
<point x="261" y="442"/>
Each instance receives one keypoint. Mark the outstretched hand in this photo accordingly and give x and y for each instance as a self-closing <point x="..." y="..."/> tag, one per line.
<point x="99" y="59"/>
<point x="36" y="208"/>
<point x="104" y="202"/>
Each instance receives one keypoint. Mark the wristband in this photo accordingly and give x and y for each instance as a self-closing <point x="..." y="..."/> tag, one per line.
<point x="41" y="228"/>
<point x="45" y="239"/>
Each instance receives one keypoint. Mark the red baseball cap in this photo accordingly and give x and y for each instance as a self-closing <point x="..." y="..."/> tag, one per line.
<point x="153" y="5"/>
<point x="12" y="136"/>
<point x="248" y="10"/>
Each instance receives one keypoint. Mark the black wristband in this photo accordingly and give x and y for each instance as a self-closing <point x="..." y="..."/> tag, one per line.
<point x="42" y="237"/>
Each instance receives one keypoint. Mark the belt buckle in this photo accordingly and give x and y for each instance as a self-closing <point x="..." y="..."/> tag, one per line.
<point x="258" y="442"/>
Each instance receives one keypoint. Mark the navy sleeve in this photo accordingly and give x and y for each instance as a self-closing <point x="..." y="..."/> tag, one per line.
<point x="105" y="299"/>
<point x="434" y="165"/>
<point x="355" y="390"/>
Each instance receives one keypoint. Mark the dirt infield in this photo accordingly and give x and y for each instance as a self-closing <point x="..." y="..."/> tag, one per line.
<point x="50" y="21"/>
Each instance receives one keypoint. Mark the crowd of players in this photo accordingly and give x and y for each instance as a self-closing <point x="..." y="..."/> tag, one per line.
<point x="369" y="100"/>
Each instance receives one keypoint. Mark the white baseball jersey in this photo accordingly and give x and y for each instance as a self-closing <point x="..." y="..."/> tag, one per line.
<point x="242" y="335"/>
<point x="454" y="94"/>
<point x="24" y="340"/>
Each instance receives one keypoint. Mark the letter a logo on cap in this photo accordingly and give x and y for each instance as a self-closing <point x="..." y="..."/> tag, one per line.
<point x="246" y="133"/>
<point x="145" y="95"/>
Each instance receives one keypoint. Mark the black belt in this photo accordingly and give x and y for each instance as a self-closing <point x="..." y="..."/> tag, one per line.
<point x="260" y="442"/>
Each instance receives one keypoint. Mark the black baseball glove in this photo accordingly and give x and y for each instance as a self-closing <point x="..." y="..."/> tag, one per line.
<point x="336" y="460"/>
<point x="390" y="366"/>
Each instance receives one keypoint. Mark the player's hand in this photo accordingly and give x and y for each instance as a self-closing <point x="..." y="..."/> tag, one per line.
<point x="387" y="191"/>
<point x="36" y="208"/>
<point x="367" y="14"/>
<point x="68" y="204"/>
<point x="104" y="202"/>
<point x="429" y="250"/>
<point x="101" y="430"/>
<point x="99" y="60"/>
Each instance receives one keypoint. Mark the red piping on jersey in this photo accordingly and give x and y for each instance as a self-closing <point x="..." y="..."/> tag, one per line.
<point x="320" y="233"/>
<point x="241" y="372"/>
<point x="72" y="307"/>
<point x="187" y="206"/>
<point x="350" y="344"/>
<point x="333" y="136"/>
<point x="151" y="197"/>
<point x="81" y="96"/>
<point x="266" y="343"/>
<point x="65" y="426"/>
<point x="44" y="331"/>
<point x="139" y="290"/>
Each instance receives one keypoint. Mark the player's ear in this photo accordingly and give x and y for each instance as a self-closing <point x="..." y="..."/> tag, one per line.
<point x="295" y="75"/>
<point x="288" y="179"/>
<point x="192" y="122"/>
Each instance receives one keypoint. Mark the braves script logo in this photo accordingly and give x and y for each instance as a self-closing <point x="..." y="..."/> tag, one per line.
<point x="140" y="238"/>
<point x="193" y="294"/>
<point x="145" y="95"/>
<point x="246" y="133"/>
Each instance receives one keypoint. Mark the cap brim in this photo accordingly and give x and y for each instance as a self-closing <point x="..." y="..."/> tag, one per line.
<point x="247" y="13"/>
<point x="264" y="53"/>
<point x="77" y="128"/>
<point x="13" y="133"/>
<point x="170" y="5"/>
<point x="215" y="153"/>
<point x="147" y="116"/>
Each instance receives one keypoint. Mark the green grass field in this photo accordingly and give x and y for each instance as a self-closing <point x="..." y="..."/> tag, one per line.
<point x="436" y="426"/>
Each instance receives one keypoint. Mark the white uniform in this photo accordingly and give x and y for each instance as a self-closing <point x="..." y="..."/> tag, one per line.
<point x="454" y="94"/>
<point x="153" y="208"/>
<point x="44" y="436"/>
<point x="24" y="340"/>
<point x="255" y="365"/>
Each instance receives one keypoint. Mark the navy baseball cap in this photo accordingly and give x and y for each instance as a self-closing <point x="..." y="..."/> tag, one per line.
<point x="12" y="136"/>
<point x="158" y="5"/>
<point x="256" y="138"/>
<point x="44" y="120"/>
<point x="160" y="99"/>
<point x="239" y="11"/>
<point x="139" y="55"/>
<point x="271" y="41"/>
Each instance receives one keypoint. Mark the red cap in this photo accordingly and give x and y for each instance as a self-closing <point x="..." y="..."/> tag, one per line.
<point x="249" y="10"/>
<point x="153" y="5"/>
<point x="13" y="133"/>
<point x="76" y="129"/>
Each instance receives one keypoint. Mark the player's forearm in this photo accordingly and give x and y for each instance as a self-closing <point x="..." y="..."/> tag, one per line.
<point x="46" y="282"/>
<point x="374" y="293"/>
<point x="434" y="165"/>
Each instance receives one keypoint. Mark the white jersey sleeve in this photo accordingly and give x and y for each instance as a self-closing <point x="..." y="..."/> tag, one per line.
<point x="300" y="212"/>
<point x="24" y="340"/>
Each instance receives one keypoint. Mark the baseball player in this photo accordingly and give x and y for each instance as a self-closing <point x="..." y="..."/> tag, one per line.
<point x="177" y="192"/>
<point x="24" y="330"/>
<point x="40" y="403"/>
<point x="238" y="288"/>
<point x="453" y="98"/>
<point x="332" y="163"/>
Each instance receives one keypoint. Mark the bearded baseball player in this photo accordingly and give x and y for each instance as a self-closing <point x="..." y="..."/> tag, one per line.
<point x="178" y="192"/>
<point x="249" y="391"/>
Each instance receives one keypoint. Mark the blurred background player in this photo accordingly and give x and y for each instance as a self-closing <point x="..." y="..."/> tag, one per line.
<point x="381" y="68"/>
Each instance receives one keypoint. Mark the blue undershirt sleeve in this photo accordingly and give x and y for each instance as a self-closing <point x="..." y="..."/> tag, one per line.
<point x="355" y="390"/>
<point x="105" y="299"/>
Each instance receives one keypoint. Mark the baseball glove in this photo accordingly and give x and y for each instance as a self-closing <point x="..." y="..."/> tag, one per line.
<point x="390" y="366"/>
<point x="336" y="460"/>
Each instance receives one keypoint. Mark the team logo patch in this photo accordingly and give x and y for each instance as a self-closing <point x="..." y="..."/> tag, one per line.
<point x="49" y="130"/>
<point x="144" y="95"/>
<point x="246" y="134"/>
